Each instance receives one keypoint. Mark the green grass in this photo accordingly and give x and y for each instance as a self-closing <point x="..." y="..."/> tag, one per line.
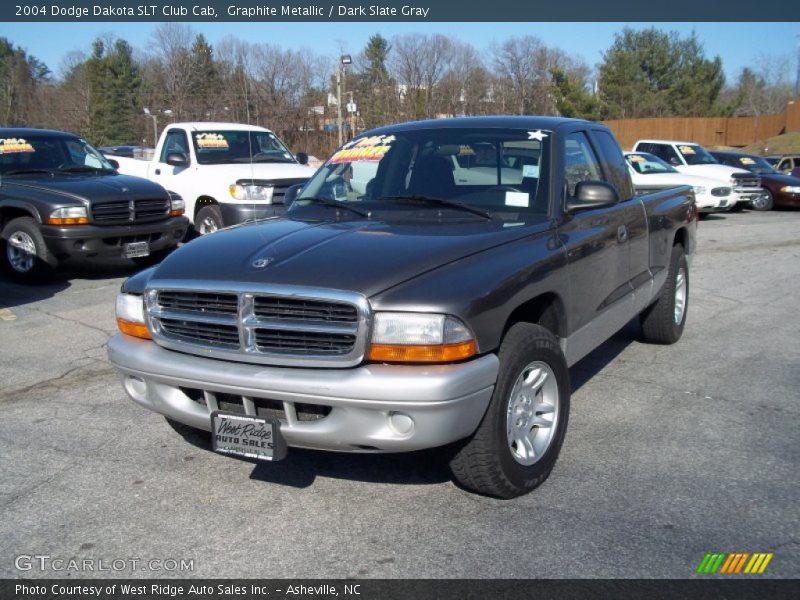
<point x="788" y="143"/>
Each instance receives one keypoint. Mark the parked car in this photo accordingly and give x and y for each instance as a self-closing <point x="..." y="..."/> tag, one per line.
<point x="128" y="151"/>
<point x="786" y="163"/>
<point x="650" y="173"/>
<point x="60" y="198"/>
<point x="425" y="311"/>
<point x="781" y="190"/>
<point x="226" y="172"/>
<point x="693" y="159"/>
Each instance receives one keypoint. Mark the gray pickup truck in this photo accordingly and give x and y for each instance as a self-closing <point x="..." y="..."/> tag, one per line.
<point x="429" y="286"/>
<point x="60" y="199"/>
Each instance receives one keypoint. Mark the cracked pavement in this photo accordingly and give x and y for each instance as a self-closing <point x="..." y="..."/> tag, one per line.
<point x="671" y="452"/>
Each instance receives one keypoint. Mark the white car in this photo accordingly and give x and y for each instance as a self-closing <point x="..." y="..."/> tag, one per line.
<point x="227" y="173"/>
<point x="648" y="173"/>
<point x="693" y="159"/>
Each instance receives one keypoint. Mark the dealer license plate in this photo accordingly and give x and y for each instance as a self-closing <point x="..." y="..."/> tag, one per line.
<point x="136" y="249"/>
<point x="247" y="437"/>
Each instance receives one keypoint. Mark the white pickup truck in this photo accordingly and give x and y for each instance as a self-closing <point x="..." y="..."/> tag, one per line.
<point x="227" y="173"/>
<point x="693" y="159"/>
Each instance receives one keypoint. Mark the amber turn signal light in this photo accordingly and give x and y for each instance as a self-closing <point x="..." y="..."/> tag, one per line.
<point x="68" y="221"/>
<point x="138" y="330"/>
<point x="176" y="212"/>
<point x="422" y="354"/>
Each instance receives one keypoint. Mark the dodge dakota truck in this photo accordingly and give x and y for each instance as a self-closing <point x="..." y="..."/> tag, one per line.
<point x="439" y="303"/>
<point x="227" y="173"/>
<point x="60" y="198"/>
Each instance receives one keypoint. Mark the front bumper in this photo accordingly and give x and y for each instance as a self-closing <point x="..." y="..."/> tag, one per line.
<point x="233" y="214"/>
<point x="90" y="241"/>
<point x="372" y="408"/>
<point x="747" y="195"/>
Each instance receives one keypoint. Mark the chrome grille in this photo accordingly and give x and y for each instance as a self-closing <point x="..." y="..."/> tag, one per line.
<point x="745" y="180"/>
<point x="280" y="325"/>
<point x="127" y="212"/>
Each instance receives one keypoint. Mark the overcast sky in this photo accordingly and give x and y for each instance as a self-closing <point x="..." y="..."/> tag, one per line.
<point x="738" y="44"/>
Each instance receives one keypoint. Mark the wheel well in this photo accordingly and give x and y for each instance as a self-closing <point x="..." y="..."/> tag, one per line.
<point x="680" y="237"/>
<point x="546" y="310"/>
<point x="203" y="201"/>
<point x="7" y="214"/>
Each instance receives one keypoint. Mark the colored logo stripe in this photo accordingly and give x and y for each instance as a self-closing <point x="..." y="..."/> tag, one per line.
<point x="734" y="562"/>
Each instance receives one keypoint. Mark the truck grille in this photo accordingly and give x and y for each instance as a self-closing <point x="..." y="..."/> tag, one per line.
<point x="721" y="191"/>
<point x="745" y="180"/>
<point x="279" y="186"/>
<point x="130" y="212"/>
<point x="267" y="325"/>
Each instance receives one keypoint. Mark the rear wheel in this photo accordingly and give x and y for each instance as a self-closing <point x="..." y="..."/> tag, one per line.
<point x="663" y="321"/>
<point x="517" y="443"/>
<point x="763" y="202"/>
<point x="208" y="219"/>
<point x="25" y="255"/>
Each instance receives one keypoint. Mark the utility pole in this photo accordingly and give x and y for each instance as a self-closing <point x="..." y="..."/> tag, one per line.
<point x="797" y="77"/>
<point x="339" y="101"/>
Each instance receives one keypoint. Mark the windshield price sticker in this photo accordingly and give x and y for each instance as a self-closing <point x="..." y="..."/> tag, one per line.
<point x="747" y="161"/>
<point x="636" y="158"/>
<point x="686" y="149"/>
<point x="14" y="146"/>
<point x="370" y="148"/>
<point x="211" y="140"/>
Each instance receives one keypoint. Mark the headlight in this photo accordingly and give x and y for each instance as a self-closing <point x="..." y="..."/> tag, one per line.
<point x="699" y="190"/>
<point x="130" y="316"/>
<point x="176" y="205"/>
<point x="791" y="189"/>
<point x="419" y="337"/>
<point x="71" y="215"/>
<point x="262" y="193"/>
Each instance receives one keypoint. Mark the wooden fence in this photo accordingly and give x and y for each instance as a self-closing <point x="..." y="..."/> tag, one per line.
<point x="708" y="131"/>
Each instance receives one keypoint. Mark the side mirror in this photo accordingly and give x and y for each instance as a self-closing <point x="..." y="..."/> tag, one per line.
<point x="113" y="163"/>
<point x="302" y="158"/>
<point x="177" y="159"/>
<point x="674" y="162"/>
<point x="291" y="193"/>
<point x="592" y="194"/>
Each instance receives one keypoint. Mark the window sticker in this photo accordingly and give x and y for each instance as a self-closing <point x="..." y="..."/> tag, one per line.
<point x="636" y="158"/>
<point x="686" y="149"/>
<point x="370" y="148"/>
<point x="211" y="140"/>
<point x="531" y="171"/>
<point x="465" y="150"/>
<point x="15" y="146"/>
<point x="517" y="199"/>
<point x="746" y="160"/>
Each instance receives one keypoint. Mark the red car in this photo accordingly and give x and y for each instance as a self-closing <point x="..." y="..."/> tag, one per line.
<point x="784" y="190"/>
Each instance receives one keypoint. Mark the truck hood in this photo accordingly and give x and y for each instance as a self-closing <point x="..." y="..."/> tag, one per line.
<point x="89" y="188"/>
<point x="230" y="173"/>
<point x="362" y="256"/>
<point x="718" y="172"/>
<point x="780" y="179"/>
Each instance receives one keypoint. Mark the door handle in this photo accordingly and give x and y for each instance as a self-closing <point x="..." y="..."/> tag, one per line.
<point x="622" y="234"/>
<point x="158" y="171"/>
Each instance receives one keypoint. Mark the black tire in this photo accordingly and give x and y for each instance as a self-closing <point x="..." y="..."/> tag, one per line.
<point x="765" y="204"/>
<point x="658" y="320"/>
<point x="208" y="219"/>
<point x="485" y="463"/>
<point x="153" y="258"/>
<point x="43" y="264"/>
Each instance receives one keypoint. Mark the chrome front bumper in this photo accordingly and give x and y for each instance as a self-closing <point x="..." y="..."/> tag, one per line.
<point x="372" y="408"/>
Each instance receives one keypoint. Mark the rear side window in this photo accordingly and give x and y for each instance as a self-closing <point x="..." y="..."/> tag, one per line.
<point x="581" y="162"/>
<point x="613" y="163"/>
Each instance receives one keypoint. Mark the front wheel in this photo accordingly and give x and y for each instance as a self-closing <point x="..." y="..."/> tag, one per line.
<point x="517" y="443"/>
<point x="25" y="254"/>
<point x="208" y="219"/>
<point x="763" y="202"/>
<point x="663" y="321"/>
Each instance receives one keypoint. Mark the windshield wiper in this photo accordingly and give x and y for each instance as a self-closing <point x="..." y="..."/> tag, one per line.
<point x="439" y="202"/>
<point x="335" y="204"/>
<point x="27" y="171"/>
<point x="84" y="169"/>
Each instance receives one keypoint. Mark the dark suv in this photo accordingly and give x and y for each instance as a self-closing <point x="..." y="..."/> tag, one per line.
<point x="61" y="198"/>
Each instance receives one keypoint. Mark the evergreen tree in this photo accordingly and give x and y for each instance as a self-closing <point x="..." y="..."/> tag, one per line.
<point x="114" y="83"/>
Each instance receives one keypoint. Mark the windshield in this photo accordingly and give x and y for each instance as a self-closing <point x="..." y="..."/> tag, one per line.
<point x="646" y="164"/>
<point x="755" y="164"/>
<point x="467" y="172"/>
<point x="696" y="155"/>
<point x="49" y="153"/>
<point x="221" y="147"/>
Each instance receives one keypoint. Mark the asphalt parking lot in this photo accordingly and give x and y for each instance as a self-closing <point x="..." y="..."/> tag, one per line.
<point x="671" y="452"/>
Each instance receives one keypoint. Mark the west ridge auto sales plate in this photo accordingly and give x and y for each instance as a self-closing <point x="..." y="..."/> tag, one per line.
<point x="247" y="436"/>
<point x="136" y="249"/>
